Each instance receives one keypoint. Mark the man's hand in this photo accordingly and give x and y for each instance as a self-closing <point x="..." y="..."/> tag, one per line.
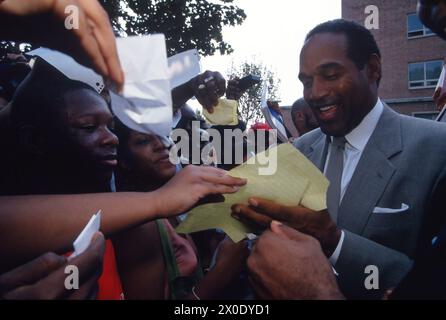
<point x="42" y="22"/>
<point x="44" y="277"/>
<point x="208" y="87"/>
<point x="316" y="224"/>
<point x="231" y="258"/>
<point x="287" y="264"/>
<point x="191" y="185"/>
<point x="233" y="92"/>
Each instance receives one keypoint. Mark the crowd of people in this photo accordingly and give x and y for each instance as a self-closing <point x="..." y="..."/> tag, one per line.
<point x="66" y="156"/>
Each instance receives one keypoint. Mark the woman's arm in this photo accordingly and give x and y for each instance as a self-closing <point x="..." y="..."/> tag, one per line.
<point x="32" y="225"/>
<point x="141" y="267"/>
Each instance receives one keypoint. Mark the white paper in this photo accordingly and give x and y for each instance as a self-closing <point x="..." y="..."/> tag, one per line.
<point x="70" y="68"/>
<point x="84" y="238"/>
<point x="183" y="67"/>
<point x="147" y="85"/>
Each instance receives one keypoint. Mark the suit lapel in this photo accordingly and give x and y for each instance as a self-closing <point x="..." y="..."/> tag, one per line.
<point x="318" y="152"/>
<point x="372" y="174"/>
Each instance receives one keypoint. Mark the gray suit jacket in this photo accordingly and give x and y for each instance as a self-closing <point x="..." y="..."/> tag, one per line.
<point x="404" y="162"/>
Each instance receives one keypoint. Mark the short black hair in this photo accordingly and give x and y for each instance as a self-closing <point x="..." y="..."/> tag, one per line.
<point x="41" y="94"/>
<point x="299" y="106"/>
<point x="37" y="106"/>
<point x="11" y="75"/>
<point x="361" y="43"/>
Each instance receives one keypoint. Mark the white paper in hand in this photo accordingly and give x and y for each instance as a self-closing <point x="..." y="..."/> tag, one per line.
<point x="70" y="68"/>
<point x="84" y="238"/>
<point x="147" y="85"/>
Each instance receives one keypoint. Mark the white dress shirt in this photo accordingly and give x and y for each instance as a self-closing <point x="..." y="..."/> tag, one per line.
<point x="357" y="140"/>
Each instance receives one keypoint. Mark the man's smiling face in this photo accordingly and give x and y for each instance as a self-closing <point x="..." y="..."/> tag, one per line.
<point x="339" y="93"/>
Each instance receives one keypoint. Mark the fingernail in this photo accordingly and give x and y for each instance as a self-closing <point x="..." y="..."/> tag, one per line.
<point x="276" y="223"/>
<point x="236" y="210"/>
<point x="236" y="217"/>
<point x="236" y="188"/>
<point x="253" y="202"/>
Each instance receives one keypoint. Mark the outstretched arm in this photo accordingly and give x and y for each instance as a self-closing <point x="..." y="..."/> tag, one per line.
<point x="32" y="225"/>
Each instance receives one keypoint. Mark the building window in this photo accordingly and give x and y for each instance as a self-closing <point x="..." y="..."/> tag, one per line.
<point x="424" y="74"/>
<point x="415" y="28"/>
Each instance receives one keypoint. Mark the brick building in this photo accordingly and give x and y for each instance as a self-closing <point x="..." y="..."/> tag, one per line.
<point x="412" y="56"/>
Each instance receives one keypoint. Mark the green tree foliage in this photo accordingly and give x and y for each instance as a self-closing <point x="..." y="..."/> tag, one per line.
<point x="249" y="104"/>
<point x="187" y="24"/>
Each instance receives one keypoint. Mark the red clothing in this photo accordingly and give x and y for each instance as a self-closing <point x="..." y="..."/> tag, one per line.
<point x="110" y="287"/>
<point x="109" y="282"/>
<point x="260" y="126"/>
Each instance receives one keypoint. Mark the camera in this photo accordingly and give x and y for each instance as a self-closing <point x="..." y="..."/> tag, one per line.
<point x="247" y="82"/>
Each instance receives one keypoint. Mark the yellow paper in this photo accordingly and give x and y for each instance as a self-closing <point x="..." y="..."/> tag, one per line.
<point x="225" y="113"/>
<point x="296" y="181"/>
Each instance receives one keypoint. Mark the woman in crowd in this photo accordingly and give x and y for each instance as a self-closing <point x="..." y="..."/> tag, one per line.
<point x="173" y="260"/>
<point x="64" y="145"/>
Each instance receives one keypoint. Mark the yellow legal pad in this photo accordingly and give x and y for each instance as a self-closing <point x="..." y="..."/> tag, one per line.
<point x="225" y="113"/>
<point x="295" y="181"/>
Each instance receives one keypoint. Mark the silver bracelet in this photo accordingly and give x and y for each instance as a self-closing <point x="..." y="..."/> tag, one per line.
<point x="195" y="295"/>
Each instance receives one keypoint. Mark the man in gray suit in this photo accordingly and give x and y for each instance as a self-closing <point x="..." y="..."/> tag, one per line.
<point x="387" y="171"/>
